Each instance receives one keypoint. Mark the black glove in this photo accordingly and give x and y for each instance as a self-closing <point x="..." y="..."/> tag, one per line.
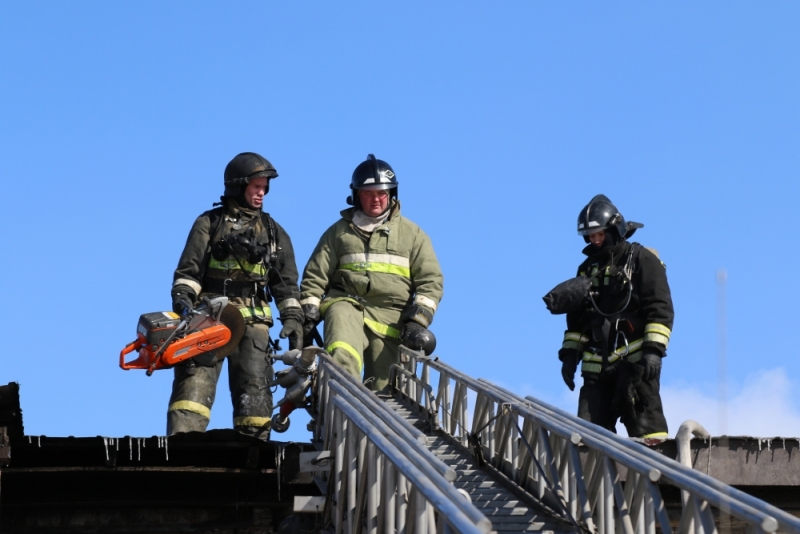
<point x="569" y="364"/>
<point x="651" y="361"/>
<point x="312" y="319"/>
<point x="292" y="320"/>
<point x="409" y="336"/>
<point x="183" y="299"/>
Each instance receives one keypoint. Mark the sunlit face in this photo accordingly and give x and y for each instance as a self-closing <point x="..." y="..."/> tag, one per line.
<point x="373" y="203"/>
<point x="255" y="191"/>
<point x="597" y="238"/>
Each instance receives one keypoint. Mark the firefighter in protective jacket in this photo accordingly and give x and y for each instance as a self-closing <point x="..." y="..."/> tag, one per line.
<point x="621" y="330"/>
<point x="374" y="278"/>
<point x="238" y="251"/>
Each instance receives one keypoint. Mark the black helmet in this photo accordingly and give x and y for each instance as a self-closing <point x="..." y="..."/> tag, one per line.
<point x="243" y="168"/>
<point x="601" y="214"/>
<point x="372" y="174"/>
<point x="421" y="339"/>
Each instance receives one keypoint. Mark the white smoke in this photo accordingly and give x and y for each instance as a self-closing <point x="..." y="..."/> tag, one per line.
<point x="764" y="405"/>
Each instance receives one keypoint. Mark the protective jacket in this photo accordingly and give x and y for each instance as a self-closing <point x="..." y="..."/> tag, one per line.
<point x="382" y="272"/>
<point x="638" y="315"/>
<point x="250" y="286"/>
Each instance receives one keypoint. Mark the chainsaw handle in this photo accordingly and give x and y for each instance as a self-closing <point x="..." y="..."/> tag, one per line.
<point x="130" y="347"/>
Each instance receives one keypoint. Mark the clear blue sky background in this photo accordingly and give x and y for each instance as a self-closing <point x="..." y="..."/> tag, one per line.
<point x="501" y="120"/>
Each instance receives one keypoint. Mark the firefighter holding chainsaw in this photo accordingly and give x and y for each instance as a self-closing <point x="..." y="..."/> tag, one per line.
<point x="374" y="279"/>
<point x="238" y="251"/>
<point x="619" y="321"/>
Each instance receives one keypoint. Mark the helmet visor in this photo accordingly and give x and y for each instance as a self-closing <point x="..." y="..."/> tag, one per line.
<point x="592" y="227"/>
<point x="376" y="187"/>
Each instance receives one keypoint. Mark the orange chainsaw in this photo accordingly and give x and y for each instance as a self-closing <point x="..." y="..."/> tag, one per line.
<point x="163" y="339"/>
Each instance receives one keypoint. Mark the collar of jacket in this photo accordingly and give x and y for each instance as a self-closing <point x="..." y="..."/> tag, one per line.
<point x="615" y="251"/>
<point x="347" y="214"/>
<point x="234" y="210"/>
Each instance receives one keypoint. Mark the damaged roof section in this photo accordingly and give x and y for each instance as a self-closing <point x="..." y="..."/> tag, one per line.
<point x="218" y="481"/>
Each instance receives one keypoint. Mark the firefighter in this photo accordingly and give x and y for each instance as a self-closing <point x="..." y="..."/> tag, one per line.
<point x="621" y="331"/>
<point x="236" y="250"/>
<point x="374" y="278"/>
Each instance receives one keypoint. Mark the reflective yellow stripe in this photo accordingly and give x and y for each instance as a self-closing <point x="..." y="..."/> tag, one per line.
<point x="314" y="301"/>
<point x="657" y="333"/>
<point x="663" y="435"/>
<point x="575" y="336"/>
<point x="387" y="268"/>
<point x="633" y="354"/>
<point x="349" y="349"/>
<point x="658" y="328"/>
<point x="231" y="264"/>
<point x="188" y="282"/>
<point x="657" y="338"/>
<point x="381" y="328"/>
<point x="259" y="312"/>
<point x="361" y="257"/>
<point x="190" y="406"/>
<point x="592" y="357"/>
<point x="288" y="303"/>
<point x="587" y="367"/>
<point x="425" y="301"/>
<point x="572" y="345"/>
<point x="251" y="421"/>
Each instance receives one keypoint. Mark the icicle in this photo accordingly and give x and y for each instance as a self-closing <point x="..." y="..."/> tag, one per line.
<point x="116" y="440"/>
<point x="105" y="443"/>
<point x="130" y="448"/>
<point x="166" y="446"/>
<point x="39" y="439"/>
<point x="784" y="443"/>
<point x="769" y="444"/>
<point x="29" y="440"/>
<point x="139" y="445"/>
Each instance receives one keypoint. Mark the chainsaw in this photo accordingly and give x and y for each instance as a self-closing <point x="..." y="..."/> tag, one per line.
<point x="212" y="330"/>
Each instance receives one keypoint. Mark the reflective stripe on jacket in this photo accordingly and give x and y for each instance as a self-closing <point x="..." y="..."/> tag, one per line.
<point x="383" y="272"/>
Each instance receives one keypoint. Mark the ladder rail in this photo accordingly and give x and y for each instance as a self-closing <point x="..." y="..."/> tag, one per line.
<point x="380" y="462"/>
<point x="550" y="462"/>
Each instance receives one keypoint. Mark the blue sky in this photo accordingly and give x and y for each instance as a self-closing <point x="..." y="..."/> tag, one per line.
<point x="501" y="121"/>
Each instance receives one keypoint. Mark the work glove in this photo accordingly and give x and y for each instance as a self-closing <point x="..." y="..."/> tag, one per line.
<point x="409" y="335"/>
<point x="183" y="299"/>
<point x="651" y="361"/>
<point x="312" y="319"/>
<point x="569" y="364"/>
<point x="292" y="319"/>
<point x="417" y="337"/>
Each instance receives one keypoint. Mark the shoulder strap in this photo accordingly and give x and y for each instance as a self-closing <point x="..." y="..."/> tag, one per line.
<point x="632" y="261"/>
<point x="214" y="220"/>
<point x="271" y="232"/>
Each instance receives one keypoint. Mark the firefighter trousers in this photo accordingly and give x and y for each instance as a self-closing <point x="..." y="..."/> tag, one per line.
<point x="619" y="392"/>
<point x="249" y="369"/>
<point x="358" y="349"/>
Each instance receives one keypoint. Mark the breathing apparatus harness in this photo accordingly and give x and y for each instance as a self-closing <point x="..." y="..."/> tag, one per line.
<point x="243" y="246"/>
<point x="601" y="333"/>
<point x="574" y="294"/>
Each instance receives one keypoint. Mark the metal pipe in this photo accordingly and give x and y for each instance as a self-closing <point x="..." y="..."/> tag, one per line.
<point x="683" y="439"/>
